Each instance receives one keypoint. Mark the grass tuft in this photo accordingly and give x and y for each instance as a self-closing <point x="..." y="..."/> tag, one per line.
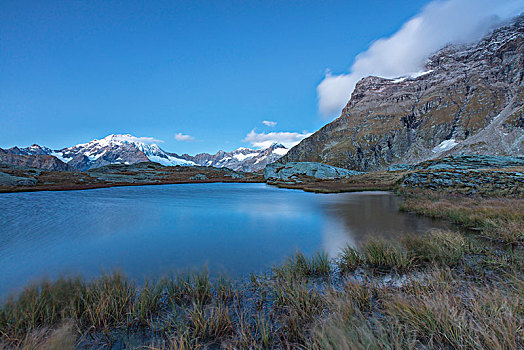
<point x="350" y="260"/>
<point x="441" y="247"/>
<point x="382" y="255"/>
<point x="299" y="266"/>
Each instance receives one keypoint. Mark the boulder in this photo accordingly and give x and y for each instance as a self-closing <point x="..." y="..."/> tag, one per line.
<point x="400" y="167"/>
<point x="487" y="181"/>
<point x="234" y="175"/>
<point x="198" y="177"/>
<point x="289" y="171"/>
<point x="12" y="180"/>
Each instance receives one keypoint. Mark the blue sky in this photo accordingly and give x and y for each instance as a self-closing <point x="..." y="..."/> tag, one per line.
<point x="72" y="71"/>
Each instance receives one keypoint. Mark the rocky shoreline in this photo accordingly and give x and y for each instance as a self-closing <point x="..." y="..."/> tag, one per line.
<point x="469" y="174"/>
<point x="17" y="179"/>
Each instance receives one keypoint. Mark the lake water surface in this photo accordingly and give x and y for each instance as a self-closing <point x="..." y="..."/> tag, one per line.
<point x="151" y="231"/>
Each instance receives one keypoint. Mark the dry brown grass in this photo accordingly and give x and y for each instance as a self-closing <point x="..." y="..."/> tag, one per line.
<point x="441" y="290"/>
<point x="496" y="218"/>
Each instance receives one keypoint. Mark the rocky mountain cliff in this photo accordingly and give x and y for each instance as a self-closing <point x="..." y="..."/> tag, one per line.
<point x="468" y="101"/>
<point x="242" y="159"/>
<point x="41" y="161"/>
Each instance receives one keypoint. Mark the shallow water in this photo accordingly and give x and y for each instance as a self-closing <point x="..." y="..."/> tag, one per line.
<point x="151" y="231"/>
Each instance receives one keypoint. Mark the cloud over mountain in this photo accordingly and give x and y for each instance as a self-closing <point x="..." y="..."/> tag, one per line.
<point x="404" y="53"/>
<point x="269" y="123"/>
<point x="264" y="140"/>
<point x="182" y="137"/>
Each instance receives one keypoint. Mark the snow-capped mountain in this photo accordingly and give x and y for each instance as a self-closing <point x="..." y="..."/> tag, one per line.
<point x="242" y="159"/>
<point x="125" y="149"/>
<point x="113" y="149"/>
<point x="128" y="149"/>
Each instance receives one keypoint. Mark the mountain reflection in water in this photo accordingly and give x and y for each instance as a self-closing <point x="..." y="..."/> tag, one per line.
<point x="151" y="231"/>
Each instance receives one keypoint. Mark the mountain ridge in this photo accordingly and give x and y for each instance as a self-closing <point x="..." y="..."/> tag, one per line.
<point x="469" y="100"/>
<point x="241" y="159"/>
<point x="127" y="149"/>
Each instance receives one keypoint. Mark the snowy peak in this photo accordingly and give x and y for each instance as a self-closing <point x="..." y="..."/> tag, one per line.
<point x="119" y="148"/>
<point x="31" y="150"/>
<point x="241" y="159"/>
<point x="129" y="149"/>
<point x="112" y="149"/>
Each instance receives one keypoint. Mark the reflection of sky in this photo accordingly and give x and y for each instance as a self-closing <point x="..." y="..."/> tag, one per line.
<point x="154" y="230"/>
<point x="336" y="236"/>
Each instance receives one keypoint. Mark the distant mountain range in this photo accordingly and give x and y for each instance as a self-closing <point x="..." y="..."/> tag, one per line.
<point x="242" y="159"/>
<point x="127" y="149"/>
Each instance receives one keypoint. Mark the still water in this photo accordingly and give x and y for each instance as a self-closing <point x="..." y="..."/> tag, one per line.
<point x="151" y="231"/>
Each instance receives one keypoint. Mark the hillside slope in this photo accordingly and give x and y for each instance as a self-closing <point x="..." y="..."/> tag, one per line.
<point x="468" y="101"/>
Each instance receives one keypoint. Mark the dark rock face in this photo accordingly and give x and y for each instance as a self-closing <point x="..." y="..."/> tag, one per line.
<point x="80" y="162"/>
<point x="39" y="161"/>
<point x="470" y="101"/>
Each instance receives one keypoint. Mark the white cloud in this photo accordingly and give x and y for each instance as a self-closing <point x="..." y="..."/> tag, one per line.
<point x="131" y="138"/>
<point x="269" y="123"/>
<point x="181" y="137"/>
<point x="404" y="53"/>
<point x="264" y="140"/>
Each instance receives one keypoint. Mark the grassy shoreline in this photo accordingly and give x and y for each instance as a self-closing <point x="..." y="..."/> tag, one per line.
<point x="441" y="290"/>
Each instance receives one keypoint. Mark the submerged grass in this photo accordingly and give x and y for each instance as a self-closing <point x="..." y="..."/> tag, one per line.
<point x="441" y="290"/>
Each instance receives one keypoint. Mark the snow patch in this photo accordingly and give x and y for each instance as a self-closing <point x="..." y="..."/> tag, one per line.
<point x="445" y="146"/>
<point x="240" y="157"/>
<point x="398" y="80"/>
<point x="280" y="151"/>
<point x="170" y="161"/>
<point x="419" y="74"/>
<point x="60" y="156"/>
